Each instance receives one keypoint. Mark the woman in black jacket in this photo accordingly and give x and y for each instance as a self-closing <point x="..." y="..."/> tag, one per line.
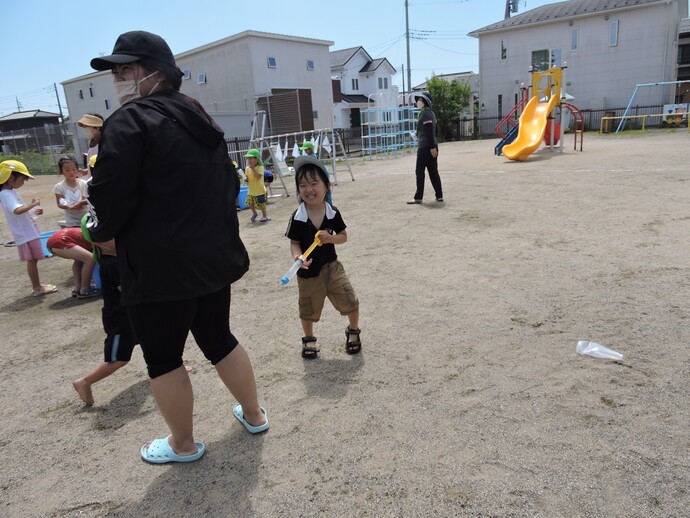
<point x="164" y="189"/>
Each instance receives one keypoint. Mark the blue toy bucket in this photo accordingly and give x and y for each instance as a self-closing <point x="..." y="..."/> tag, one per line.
<point x="44" y="239"/>
<point x="242" y="197"/>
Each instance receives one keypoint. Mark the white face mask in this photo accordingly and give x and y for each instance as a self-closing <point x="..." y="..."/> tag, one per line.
<point x="127" y="91"/>
<point x="89" y="132"/>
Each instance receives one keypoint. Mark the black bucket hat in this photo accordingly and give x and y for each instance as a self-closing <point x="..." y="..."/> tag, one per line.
<point x="133" y="46"/>
<point x="423" y="95"/>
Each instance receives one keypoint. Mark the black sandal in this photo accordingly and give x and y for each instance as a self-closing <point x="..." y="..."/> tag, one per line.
<point x="309" y="352"/>
<point x="352" y="346"/>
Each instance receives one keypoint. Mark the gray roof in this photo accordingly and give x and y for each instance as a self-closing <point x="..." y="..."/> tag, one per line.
<point x="561" y="10"/>
<point x="340" y="57"/>
<point x="373" y="65"/>
<point x="684" y="26"/>
<point x="355" y="98"/>
<point x="32" y="114"/>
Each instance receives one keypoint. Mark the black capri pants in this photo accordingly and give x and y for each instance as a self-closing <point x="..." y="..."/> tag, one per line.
<point x="162" y="329"/>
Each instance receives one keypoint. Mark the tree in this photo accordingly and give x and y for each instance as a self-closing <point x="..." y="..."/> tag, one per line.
<point x="449" y="99"/>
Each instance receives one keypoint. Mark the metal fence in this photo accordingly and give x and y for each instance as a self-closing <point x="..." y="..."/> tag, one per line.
<point x="51" y="138"/>
<point x="483" y="127"/>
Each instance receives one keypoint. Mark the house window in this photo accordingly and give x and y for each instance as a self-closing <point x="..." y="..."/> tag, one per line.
<point x="613" y="34"/>
<point x="310" y="64"/>
<point x="271" y="62"/>
<point x="81" y="94"/>
<point x="186" y="74"/>
<point x="315" y="114"/>
<point x="556" y="58"/>
<point x="574" y="38"/>
<point x="500" y="106"/>
<point x="383" y="83"/>
<point x="504" y="50"/>
<point x="107" y="104"/>
<point x="684" y="54"/>
<point x="355" y="84"/>
<point x="201" y="79"/>
<point x="546" y="58"/>
<point x="91" y="91"/>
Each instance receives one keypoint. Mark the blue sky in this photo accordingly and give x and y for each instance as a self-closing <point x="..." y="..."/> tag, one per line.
<point x="49" y="41"/>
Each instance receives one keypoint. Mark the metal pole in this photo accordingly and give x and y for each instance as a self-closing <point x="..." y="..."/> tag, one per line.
<point x="403" y="80"/>
<point x="299" y="111"/>
<point x="407" y="36"/>
<point x="62" y="119"/>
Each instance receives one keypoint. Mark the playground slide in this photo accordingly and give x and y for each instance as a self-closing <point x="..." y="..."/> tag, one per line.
<point x="531" y="129"/>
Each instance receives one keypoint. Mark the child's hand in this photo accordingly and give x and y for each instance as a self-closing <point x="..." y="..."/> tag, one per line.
<point x="37" y="211"/>
<point x="305" y="264"/>
<point x="325" y="237"/>
<point x="35" y="202"/>
<point x="107" y="246"/>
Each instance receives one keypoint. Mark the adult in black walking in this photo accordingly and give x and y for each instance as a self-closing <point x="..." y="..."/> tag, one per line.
<point x="427" y="149"/>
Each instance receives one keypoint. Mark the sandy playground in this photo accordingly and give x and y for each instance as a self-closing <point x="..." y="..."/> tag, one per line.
<point x="468" y="399"/>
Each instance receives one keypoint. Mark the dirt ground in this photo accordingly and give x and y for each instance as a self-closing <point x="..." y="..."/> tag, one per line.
<point x="468" y="398"/>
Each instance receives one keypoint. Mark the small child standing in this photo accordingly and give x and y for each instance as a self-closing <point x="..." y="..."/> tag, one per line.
<point x="120" y="340"/>
<point x="321" y="275"/>
<point x="71" y="192"/>
<point x="13" y="174"/>
<point x="256" y="192"/>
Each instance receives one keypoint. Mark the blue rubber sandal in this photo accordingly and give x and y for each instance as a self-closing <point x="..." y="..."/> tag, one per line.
<point x="159" y="452"/>
<point x="237" y="411"/>
<point x="91" y="292"/>
<point x="253" y="218"/>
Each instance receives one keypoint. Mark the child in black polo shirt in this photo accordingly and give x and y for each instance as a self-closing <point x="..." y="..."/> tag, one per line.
<point x="321" y="275"/>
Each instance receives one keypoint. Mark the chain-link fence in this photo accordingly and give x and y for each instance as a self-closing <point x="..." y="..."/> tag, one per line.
<point x="38" y="148"/>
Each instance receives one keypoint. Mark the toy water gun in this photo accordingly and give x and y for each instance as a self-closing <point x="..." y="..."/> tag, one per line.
<point x="300" y="261"/>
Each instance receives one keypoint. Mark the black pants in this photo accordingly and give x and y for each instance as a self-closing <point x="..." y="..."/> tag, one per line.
<point x="162" y="329"/>
<point x="426" y="161"/>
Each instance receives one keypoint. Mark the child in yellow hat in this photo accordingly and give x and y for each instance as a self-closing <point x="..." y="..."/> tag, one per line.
<point x="13" y="174"/>
<point x="256" y="193"/>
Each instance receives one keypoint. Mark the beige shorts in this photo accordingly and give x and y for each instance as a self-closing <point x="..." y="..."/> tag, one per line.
<point x="332" y="283"/>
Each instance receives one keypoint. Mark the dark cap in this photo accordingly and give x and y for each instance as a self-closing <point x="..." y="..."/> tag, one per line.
<point x="133" y="46"/>
<point x="424" y="95"/>
<point x="303" y="160"/>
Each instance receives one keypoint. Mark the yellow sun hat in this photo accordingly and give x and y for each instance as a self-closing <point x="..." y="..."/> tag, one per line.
<point x="9" y="166"/>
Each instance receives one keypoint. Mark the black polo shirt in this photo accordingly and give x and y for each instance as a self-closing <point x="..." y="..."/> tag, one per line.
<point x="303" y="230"/>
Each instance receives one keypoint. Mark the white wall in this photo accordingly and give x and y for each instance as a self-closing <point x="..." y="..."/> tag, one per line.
<point x="646" y="53"/>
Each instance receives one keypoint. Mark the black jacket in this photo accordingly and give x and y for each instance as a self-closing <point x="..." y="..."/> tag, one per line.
<point x="164" y="187"/>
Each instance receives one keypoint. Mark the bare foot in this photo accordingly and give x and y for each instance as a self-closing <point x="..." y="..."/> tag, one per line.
<point x="45" y="289"/>
<point x="188" y="368"/>
<point x="84" y="391"/>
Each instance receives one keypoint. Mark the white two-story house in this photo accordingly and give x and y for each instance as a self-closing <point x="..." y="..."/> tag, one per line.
<point x="607" y="46"/>
<point x="289" y="77"/>
<point x="360" y="82"/>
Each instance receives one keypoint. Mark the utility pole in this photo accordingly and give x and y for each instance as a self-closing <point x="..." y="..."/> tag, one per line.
<point x="19" y="106"/>
<point x="62" y="119"/>
<point x="403" y="80"/>
<point x="511" y="7"/>
<point x="407" y="35"/>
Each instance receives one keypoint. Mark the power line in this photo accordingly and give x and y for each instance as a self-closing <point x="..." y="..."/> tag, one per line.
<point x="452" y="51"/>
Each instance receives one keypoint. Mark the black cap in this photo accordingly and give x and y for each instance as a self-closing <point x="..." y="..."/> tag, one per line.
<point x="133" y="46"/>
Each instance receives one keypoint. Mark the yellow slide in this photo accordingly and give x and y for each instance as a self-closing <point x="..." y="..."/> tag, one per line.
<point x="531" y="130"/>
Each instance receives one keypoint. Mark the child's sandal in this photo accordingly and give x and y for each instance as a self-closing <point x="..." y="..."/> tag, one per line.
<point x="309" y="352"/>
<point x="352" y="346"/>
